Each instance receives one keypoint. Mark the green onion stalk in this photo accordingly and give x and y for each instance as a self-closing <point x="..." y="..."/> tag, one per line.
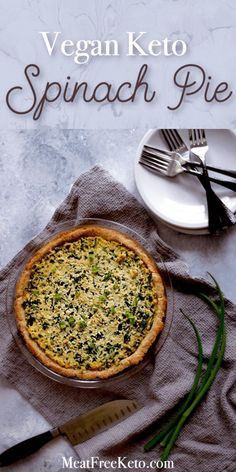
<point x="170" y="433"/>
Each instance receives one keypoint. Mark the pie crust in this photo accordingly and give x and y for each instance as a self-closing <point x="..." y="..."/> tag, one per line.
<point x="124" y="243"/>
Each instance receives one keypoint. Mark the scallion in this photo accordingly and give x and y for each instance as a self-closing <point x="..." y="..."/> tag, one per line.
<point x="168" y="436"/>
<point x="165" y="432"/>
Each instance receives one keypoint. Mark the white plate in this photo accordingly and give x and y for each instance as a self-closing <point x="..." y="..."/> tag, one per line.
<point x="181" y="201"/>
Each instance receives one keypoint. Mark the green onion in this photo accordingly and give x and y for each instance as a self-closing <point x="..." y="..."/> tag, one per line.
<point x="210" y="374"/>
<point x="135" y="302"/>
<point x="62" y="324"/>
<point x="169" y="435"/>
<point x="200" y="395"/>
<point x="191" y="394"/>
<point x="71" y="321"/>
<point x="35" y="292"/>
<point x="165" y="432"/>
<point x="220" y="328"/>
<point x="216" y="346"/>
<point x="57" y="296"/>
<point x="107" y="276"/>
<point x="95" y="269"/>
<point x="82" y="324"/>
<point x="130" y="317"/>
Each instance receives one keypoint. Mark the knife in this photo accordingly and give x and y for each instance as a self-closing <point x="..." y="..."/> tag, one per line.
<point x="77" y="430"/>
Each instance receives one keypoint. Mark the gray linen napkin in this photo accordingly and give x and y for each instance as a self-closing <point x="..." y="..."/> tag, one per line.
<point x="207" y="442"/>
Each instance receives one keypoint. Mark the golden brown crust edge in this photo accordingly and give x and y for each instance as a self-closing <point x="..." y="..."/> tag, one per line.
<point x="110" y="235"/>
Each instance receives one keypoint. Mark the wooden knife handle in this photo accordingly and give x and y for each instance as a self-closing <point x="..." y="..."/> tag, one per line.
<point x="24" y="448"/>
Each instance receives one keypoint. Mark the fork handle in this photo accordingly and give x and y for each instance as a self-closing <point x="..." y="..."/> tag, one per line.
<point x="219" y="216"/>
<point x="229" y="173"/>
<point x="225" y="183"/>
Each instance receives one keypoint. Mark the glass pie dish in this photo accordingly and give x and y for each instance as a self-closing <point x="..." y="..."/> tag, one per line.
<point x="153" y="350"/>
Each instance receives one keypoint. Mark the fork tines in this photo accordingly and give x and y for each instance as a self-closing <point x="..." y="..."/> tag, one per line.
<point x="147" y="158"/>
<point x="152" y="151"/>
<point x="197" y="137"/>
<point x="153" y="165"/>
<point x="172" y="138"/>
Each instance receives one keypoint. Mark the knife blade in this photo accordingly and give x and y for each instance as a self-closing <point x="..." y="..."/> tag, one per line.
<point x="100" y="419"/>
<point x="77" y="430"/>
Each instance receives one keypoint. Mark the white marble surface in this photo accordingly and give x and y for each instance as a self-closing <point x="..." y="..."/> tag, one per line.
<point x="207" y="27"/>
<point x="37" y="169"/>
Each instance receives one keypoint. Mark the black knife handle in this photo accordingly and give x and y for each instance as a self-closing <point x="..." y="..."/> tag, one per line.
<point x="225" y="183"/>
<point x="230" y="173"/>
<point x="219" y="216"/>
<point x="24" y="448"/>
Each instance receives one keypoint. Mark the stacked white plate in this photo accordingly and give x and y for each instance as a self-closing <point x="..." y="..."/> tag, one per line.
<point x="180" y="202"/>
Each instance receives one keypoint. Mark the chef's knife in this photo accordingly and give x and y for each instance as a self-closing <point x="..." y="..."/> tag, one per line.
<point x="77" y="430"/>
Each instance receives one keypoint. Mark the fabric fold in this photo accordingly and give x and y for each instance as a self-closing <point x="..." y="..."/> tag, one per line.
<point x="207" y="442"/>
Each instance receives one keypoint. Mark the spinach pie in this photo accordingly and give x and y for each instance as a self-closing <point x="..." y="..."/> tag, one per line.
<point x="90" y="303"/>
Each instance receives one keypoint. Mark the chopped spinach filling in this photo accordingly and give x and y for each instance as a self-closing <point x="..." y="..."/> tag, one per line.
<point x="89" y="303"/>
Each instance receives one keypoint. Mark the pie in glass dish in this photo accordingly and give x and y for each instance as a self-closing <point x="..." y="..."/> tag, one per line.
<point x="90" y="303"/>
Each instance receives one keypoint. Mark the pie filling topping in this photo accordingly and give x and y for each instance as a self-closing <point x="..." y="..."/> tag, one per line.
<point x="89" y="303"/>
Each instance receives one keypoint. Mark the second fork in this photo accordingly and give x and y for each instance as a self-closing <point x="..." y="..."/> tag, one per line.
<point x="219" y="215"/>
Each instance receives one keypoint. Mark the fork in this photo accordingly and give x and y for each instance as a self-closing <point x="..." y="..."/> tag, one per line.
<point x="165" y="162"/>
<point x="161" y="156"/>
<point x="218" y="214"/>
<point x="175" y="142"/>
